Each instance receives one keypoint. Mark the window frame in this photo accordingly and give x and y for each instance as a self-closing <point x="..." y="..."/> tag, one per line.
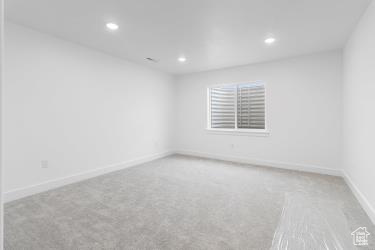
<point x="236" y="130"/>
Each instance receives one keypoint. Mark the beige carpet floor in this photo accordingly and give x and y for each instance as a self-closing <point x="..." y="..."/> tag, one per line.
<point x="182" y="202"/>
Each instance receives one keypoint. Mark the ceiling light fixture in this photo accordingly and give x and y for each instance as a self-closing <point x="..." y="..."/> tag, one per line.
<point x="182" y="59"/>
<point x="112" y="26"/>
<point x="270" y="40"/>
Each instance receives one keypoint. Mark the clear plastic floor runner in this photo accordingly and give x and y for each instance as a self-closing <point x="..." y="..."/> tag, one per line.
<point x="311" y="224"/>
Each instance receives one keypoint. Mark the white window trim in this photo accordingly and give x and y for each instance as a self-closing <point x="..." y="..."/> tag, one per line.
<point x="246" y="132"/>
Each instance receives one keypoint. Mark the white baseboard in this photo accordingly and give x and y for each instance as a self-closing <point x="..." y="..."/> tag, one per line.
<point x="369" y="209"/>
<point x="41" y="187"/>
<point x="44" y="186"/>
<point x="274" y="164"/>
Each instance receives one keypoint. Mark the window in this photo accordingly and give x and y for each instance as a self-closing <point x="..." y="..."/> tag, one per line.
<point x="237" y="107"/>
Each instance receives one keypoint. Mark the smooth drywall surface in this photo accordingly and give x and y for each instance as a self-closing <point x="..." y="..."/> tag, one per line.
<point x="359" y="108"/>
<point x="303" y="105"/>
<point x="69" y="109"/>
<point x="1" y="137"/>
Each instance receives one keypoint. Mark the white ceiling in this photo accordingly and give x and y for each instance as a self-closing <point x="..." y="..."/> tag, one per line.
<point x="211" y="34"/>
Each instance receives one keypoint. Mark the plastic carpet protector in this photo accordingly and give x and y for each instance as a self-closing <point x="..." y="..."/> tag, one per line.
<point x="309" y="223"/>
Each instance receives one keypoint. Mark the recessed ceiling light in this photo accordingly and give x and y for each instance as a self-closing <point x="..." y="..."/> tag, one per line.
<point x="112" y="26"/>
<point x="182" y="59"/>
<point x="270" y="40"/>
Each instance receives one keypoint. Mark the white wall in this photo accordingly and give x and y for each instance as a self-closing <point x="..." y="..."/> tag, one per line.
<point x="1" y="141"/>
<point x="77" y="108"/>
<point x="303" y="110"/>
<point x="359" y="110"/>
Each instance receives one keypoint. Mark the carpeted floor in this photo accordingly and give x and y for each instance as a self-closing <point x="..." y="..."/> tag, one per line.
<point x="182" y="202"/>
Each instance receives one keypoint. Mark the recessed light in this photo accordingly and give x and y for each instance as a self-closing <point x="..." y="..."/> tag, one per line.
<point x="182" y="59"/>
<point x="112" y="26"/>
<point x="270" y="40"/>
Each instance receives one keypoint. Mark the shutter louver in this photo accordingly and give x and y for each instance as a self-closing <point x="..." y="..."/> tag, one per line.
<point x="222" y="102"/>
<point x="250" y="106"/>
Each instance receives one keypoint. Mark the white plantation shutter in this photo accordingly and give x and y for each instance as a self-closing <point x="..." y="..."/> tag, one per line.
<point x="223" y="107"/>
<point x="250" y="106"/>
<point x="240" y="106"/>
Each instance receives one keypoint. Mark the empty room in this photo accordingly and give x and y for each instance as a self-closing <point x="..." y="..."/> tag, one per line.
<point x="174" y="124"/>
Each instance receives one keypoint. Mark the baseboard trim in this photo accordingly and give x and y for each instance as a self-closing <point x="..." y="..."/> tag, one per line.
<point x="264" y="163"/>
<point x="370" y="210"/>
<point x="16" y="194"/>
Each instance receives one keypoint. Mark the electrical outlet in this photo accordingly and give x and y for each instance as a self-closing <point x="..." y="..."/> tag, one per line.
<point x="44" y="164"/>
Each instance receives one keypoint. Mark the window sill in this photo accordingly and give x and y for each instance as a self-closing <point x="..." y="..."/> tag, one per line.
<point x="243" y="132"/>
